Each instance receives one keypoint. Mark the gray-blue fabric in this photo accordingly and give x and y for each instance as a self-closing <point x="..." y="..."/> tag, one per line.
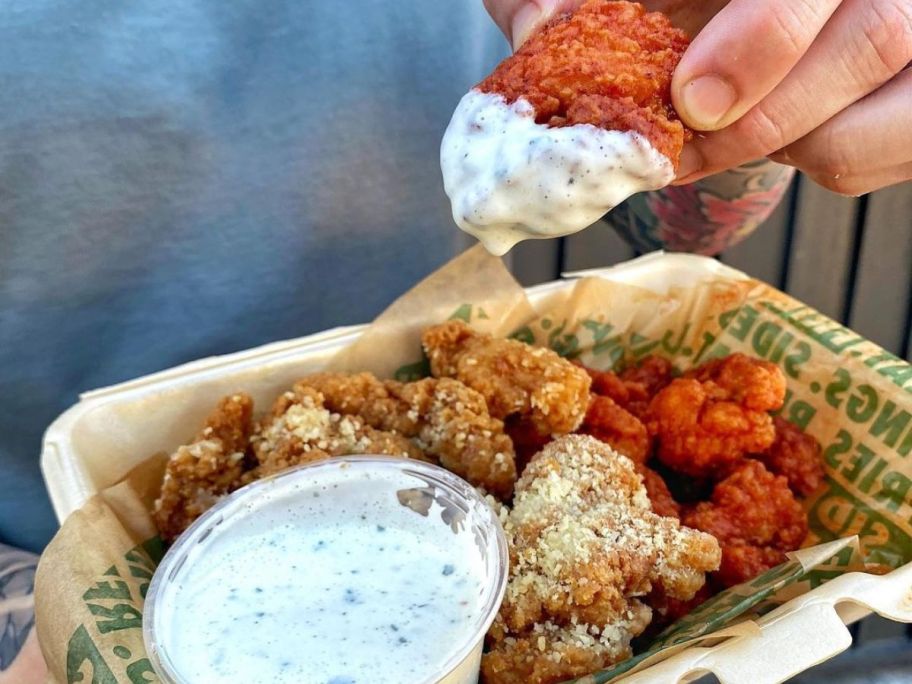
<point x="181" y="178"/>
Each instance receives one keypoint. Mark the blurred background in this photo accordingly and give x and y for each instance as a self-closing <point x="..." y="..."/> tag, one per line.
<point x="850" y="258"/>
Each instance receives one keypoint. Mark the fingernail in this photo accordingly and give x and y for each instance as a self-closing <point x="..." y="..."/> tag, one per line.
<point x="529" y="17"/>
<point x="707" y="100"/>
<point x="690" y="163"/>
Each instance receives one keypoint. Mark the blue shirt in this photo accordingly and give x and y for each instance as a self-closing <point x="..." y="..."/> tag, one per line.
<point x="182" y="178"/>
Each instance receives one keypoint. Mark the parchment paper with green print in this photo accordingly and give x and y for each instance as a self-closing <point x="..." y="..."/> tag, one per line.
<point x="854" y="397"/>
<point x="92" y="582"/>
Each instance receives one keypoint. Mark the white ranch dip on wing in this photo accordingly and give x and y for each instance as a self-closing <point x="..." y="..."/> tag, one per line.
<point x="511" y="179"/>
<point x="333" y="580"/>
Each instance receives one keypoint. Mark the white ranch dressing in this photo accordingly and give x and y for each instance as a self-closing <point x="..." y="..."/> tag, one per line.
<point x="511" y="179"/>
<point x="333" y="582"/>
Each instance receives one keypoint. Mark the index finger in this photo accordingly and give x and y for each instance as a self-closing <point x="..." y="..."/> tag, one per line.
<point x="741" y="56"/>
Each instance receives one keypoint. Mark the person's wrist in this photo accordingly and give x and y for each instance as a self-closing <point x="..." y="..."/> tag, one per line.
<point x="20" y="657"/>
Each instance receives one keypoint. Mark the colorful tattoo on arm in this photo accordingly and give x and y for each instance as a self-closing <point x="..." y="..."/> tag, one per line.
<point x="705" y="217"/>
<point x="17" y="614"/>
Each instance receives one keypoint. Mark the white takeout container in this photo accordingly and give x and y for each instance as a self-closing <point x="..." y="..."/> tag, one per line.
<point x="84" y="452"/>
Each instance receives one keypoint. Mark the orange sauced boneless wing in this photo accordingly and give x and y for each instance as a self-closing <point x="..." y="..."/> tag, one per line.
<point x="443" y="417"/>
<point x="608" y="64"/>
<point x="653" y="372"/>
<point x="755" y="517"/>
<point x="707" y="421"/>
<point x="198" y="474"/>
<point x="513" y="377"/>
<point x="796" y="455"/>
<point x="607" y="421"/>
<point x="663" y="503"/>
<point x="633" y="387"/>
<point x="585" y="546"/>
<point x="626" y="394"/>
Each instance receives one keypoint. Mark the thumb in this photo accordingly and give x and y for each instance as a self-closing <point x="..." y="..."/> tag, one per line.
<point x="519" y="18"/>
<point x="741" y="55"/>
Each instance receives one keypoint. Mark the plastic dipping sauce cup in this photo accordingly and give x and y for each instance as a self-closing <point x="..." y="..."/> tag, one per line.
<point x="350" y="570"/>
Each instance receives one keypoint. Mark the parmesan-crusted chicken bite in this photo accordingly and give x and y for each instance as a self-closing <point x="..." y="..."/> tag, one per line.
<point x="445" y="418"/>
<point x="198" y="474"/>
<point x="513" y="377"/>
<point x="755" y="517"/>
<point x="301" y="430"/>
<point x="797" y="456"/>
<point x="575" y="121"/>
<point x="708" y="420"/>
<point x="551" y="653"/>
<point x="585" y="545"/>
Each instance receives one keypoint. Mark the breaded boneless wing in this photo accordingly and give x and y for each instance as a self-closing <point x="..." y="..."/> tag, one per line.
<point x="200" y="473"/>
<point x="585" y="547"/>
<point x="516" y="379"/>
<point x="446" y="419"/>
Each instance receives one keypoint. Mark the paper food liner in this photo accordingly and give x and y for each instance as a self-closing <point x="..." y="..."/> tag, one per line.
<point x="845" y="391"/>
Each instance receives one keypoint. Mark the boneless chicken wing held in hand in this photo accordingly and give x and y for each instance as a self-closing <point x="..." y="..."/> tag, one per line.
<point x="576" y="121"/>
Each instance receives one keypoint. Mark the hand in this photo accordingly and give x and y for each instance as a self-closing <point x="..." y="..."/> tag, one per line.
<point x="821" y="85"/>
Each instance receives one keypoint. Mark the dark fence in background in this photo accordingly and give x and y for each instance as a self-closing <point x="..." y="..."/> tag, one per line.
<point x="851" y="259"/>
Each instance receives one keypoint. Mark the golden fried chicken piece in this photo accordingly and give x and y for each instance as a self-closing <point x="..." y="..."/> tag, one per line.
<point x="584" y="545"/>
<point x="607" y="421"/>
<point x="301" y="430"/>
<point x="514" y="378"/>
<point x="444" y="417"/>
<point x="363" y="395"/>
<point x="755" y="517"/>
<point x="549" y="653"/>
<point x="797" y="456"/>
<point x="198" y="474"/>
<point x="709" y="420"/>
<point x="608" y="64"/>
